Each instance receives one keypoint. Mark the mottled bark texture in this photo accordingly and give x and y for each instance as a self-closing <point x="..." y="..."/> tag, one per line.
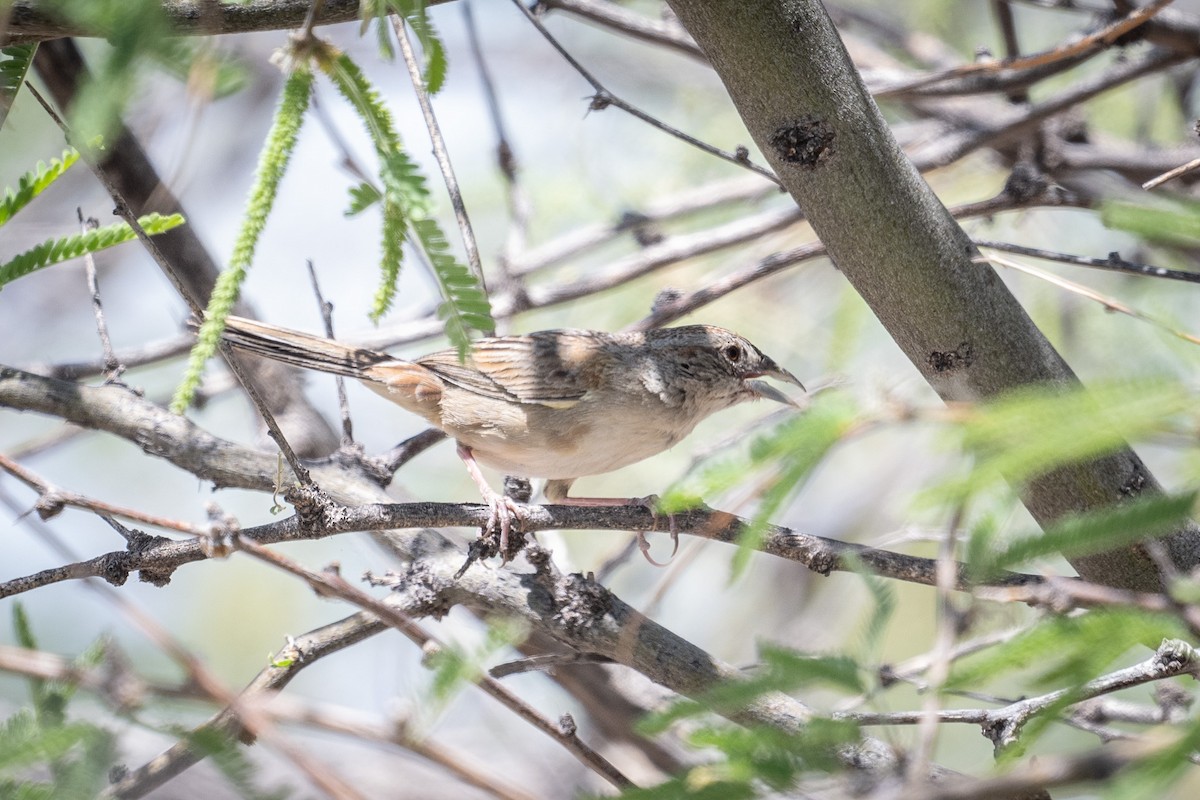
<point x="807" y="108"/>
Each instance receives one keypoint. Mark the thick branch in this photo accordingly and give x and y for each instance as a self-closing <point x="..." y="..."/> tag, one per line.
<point x="806" y="107"/>
<point x="31" y="20"/>
<point x="157" y="431"/>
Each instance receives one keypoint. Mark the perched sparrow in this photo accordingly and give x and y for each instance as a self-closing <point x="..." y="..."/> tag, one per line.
<point x="557" y="404"/>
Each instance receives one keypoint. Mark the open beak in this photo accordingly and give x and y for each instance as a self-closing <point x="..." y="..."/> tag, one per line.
<point x="769" y="369"/>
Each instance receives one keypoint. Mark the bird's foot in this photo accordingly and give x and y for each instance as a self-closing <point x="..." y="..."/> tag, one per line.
<point x="650" y="503"/>
<point x="504" y="514"/>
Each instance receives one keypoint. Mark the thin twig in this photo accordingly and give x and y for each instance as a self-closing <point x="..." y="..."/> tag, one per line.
<point x="410" y="448"/>
<point x="1012" y="47"/>
<point x="112" y="366"/>
<point x="122" y="208"/>
<point x="1172" y="659"/>
<point x="314" y="14"/>
<point x="603" y="98"/>
<point x="327" y="318"/>
<point x="519" y="208"/>
<point x="139" y="356"/>
<point x="1113" y="263"/>
<point x="439" y="150"/>
<point x="126" y="213"/>
<point x="1082" y="47"/>
<point x="1109" y="303"/>
<point x="329" y="582"/>
<point x="948" y="621"/>
<point x="953" y="148"/>
<point x="1171" y="174"/>
<point x="393" y="731"/>
<point x="665" y="33"/>
<point x="52" y="500"/>
<point x="200" y="677"/>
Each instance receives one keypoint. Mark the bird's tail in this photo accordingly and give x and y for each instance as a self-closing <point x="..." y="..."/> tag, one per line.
<point x="302" y="349"/>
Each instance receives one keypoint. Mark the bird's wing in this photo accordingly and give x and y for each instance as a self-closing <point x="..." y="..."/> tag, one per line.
<point x="552" y="368"/>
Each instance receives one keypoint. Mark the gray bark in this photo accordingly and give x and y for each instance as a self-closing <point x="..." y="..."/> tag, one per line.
<point x="804" y="103"/>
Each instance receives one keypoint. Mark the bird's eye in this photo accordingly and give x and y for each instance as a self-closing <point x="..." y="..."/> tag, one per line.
<point x="733" y="352"/>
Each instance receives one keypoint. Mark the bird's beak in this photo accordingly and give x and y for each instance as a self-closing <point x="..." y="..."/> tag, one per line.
<point x="769" y="369"/>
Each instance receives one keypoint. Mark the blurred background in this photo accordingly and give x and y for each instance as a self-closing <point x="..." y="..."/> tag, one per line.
<point x="578" y="169"/>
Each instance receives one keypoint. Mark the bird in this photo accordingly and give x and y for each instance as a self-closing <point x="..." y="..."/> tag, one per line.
<point x="555" y="404"/>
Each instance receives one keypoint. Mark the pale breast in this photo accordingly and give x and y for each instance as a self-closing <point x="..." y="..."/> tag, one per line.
<point x="591" y="436"/>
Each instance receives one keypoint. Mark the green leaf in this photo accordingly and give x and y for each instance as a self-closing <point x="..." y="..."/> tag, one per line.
<point x="753" y="759"/>
<point x="882" y="610"/>
<point x="376" y="11"/>
<point x="230" y="759"/>
<point x="1094" y="532"/>
<point x="355" y="87"/>
<point x="407" y="207"/>
<point x="362" y="197"/>
<point x="1158" y="774"/>
<point x="1066" y="653"/>
<point x="1177" y="224"/>
<point x="15" y="60"/>
<point x="34" y="182"/>
<point x="466" y="305"/>
<point x="272" y="165"/>
<point x="133" y="29"/>
<point x="416" y="15"/>
<point x="781" y="670"/>
<point x="78" y="756"/>
<point x="455" y="667"/>
<point x="58" y="250"/>
<point x="1067" y="650"/>
<point x="776" y="463"/>
<point x="22" y="628"/>
<point x="775" y="756"/>
<point x="1029" y="432"/>
<point x="202" y="67"/>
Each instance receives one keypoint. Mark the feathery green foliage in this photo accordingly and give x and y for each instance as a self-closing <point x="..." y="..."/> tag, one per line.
<point x="1067" y="650"/>
<point x="272" y="164"/>
<point x="455" y="666"/>
<point x="1029" y="432"/>
<point x="205" y="68"/>
<point x="1066" y="653"/>
<point x="78" y="244"/>
<point x="781" y="670"/>
<point x="757" y="754"/>
<point x="77" y="756"/>
<point x="466" y="306"/>
<point x="415" y="14"/>
<point x="15" y="60"/>
<point x="883" y="608"/>
<point x="755" y="761"/>
<point x="134" y="31"/>
<point x="406" y="203"/>
<point x="34" y="182"/>
<point x="230" y="759"/>
<point x="1177" y="223"/>
<point x="401" y="182"/>
<point x="781" y="459"/>
<point x="1155" y="776"/>
<point x="362" y="197"/>
<point x="1096" y="532"/>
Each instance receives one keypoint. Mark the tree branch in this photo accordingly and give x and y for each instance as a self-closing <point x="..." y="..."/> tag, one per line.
<point x="796" y="89"/>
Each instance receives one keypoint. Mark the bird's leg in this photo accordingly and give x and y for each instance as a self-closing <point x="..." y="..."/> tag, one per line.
<point x="502" y="508"/>
<point x="556" y="492"/>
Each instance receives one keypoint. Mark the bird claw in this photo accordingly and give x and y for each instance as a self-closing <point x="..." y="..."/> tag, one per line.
<point x="650" y="503"/>
<point x="503" y="512"/>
